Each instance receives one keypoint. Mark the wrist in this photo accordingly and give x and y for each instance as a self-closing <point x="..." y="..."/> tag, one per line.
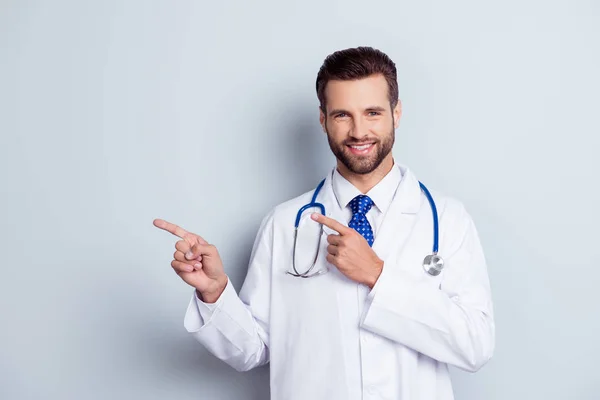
<point x="213" y="294"/>
<point x="375" y="273"/>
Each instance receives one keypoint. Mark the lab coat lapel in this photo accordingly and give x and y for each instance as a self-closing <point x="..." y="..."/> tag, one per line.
<point x="332" y="206"/>
<point x="400" y="217"/>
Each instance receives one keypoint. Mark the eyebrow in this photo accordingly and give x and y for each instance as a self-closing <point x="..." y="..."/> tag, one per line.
<point x="368" y="109"/>
<point x="337" y="111"/>
<point x="376" y="108"/>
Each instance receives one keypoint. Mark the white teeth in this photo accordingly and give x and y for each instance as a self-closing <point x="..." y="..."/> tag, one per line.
<point x="364" y="147"/>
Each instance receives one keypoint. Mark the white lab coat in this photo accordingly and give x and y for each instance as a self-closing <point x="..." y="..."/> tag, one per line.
<point x="403" y="333"/>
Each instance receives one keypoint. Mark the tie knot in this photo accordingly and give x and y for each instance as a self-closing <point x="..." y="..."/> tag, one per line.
<point x="361" y="204"/>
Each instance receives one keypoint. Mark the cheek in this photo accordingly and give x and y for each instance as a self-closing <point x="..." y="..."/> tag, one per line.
<point x="338" y="128"/>
<point x="382" y="127"/>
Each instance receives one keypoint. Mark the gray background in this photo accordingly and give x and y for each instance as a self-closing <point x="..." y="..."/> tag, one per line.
<point x="114" y="113"/>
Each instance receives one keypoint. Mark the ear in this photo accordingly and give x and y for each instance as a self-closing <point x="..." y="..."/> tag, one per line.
<point x="397" y="114"/>
<point x="322" y="119"/>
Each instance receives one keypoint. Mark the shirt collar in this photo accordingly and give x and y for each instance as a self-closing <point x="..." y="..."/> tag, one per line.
<point x="381" y="194"/>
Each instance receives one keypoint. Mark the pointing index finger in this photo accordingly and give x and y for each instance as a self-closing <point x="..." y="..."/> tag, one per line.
<point x="331" y="223"/>
<point x="176" y="230"/>
<point x="171" y="228"/>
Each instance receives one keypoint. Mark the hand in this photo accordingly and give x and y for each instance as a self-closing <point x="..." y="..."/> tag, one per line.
<point x="351" y="253"/>
<point x="196" y="262"/>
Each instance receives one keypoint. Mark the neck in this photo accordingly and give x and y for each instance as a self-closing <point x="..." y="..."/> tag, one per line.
<point x="365" y="182"/>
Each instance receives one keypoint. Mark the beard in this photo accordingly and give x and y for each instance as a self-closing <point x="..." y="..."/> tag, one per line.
<point x="358" y="164"/>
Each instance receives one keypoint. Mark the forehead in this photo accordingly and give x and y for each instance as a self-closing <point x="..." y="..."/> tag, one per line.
<point x="369" y="91"/>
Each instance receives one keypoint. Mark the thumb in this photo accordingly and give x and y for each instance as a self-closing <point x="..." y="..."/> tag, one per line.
<point x="197" y="250"/>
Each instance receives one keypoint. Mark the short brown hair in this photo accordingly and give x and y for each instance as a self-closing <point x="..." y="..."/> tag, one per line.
<point x="357" y="63"/>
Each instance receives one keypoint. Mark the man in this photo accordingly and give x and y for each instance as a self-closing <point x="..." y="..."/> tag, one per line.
<point x="377" y="325"/>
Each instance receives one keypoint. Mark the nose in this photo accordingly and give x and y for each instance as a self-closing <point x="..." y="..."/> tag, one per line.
<point x="359" y="129"/>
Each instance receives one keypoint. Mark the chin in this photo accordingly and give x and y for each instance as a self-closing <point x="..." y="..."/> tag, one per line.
<point x="361" y="167"/>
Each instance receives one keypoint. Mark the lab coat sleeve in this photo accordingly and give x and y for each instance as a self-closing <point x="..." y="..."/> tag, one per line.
<point x="453" y="322"/>
<point x="235" y="328"/>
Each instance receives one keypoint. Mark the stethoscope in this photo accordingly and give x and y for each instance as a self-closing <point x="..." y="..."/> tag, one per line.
<point x="432" y="263"/>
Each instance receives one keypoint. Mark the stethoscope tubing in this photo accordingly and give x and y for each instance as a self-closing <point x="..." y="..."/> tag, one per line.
<point x="313" y="203"/>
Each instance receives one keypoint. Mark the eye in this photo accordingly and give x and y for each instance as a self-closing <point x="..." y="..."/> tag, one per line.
<point x="341" y="115"/>
<point x="374" y="113"/>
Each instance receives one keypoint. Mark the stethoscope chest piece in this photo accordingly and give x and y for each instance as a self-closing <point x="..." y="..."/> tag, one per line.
<point x="433" y="264"/>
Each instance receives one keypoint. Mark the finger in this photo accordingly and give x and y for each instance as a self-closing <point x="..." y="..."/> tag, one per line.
<point x="331" y="259"/>
<point x="333" y="250"/>
<point x="200" y="239"/>
<point x="183" y="246"/>
<point x="171" y="228"/>
<point x="331" y="223"/>
<point x="179" y="256"/>
<point x="176" y="230"/>
<point x="199" y="249"/>
<point x="179" y="266"/>
<point x="335" y="240"/>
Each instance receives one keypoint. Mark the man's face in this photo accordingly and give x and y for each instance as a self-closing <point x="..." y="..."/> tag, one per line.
<point x="359" y="122"/>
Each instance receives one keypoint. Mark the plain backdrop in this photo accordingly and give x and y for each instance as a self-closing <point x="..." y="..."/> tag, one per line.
<point x="113" y="113"/>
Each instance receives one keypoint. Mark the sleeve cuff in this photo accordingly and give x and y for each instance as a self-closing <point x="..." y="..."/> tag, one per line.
<point x="206" y="310"/>
<point x="373" y="291"/>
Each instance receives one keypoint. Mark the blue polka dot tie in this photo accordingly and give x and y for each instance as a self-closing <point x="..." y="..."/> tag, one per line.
<point x="360" y="206"/>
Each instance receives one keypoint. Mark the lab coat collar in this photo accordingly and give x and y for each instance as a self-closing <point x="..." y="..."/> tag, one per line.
<point x="401" y="216"/>
<point x="407" y="193"/>
<point x="381" y="194"/>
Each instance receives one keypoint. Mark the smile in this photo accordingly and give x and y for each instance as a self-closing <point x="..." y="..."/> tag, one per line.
<point x="362" y="149"/>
